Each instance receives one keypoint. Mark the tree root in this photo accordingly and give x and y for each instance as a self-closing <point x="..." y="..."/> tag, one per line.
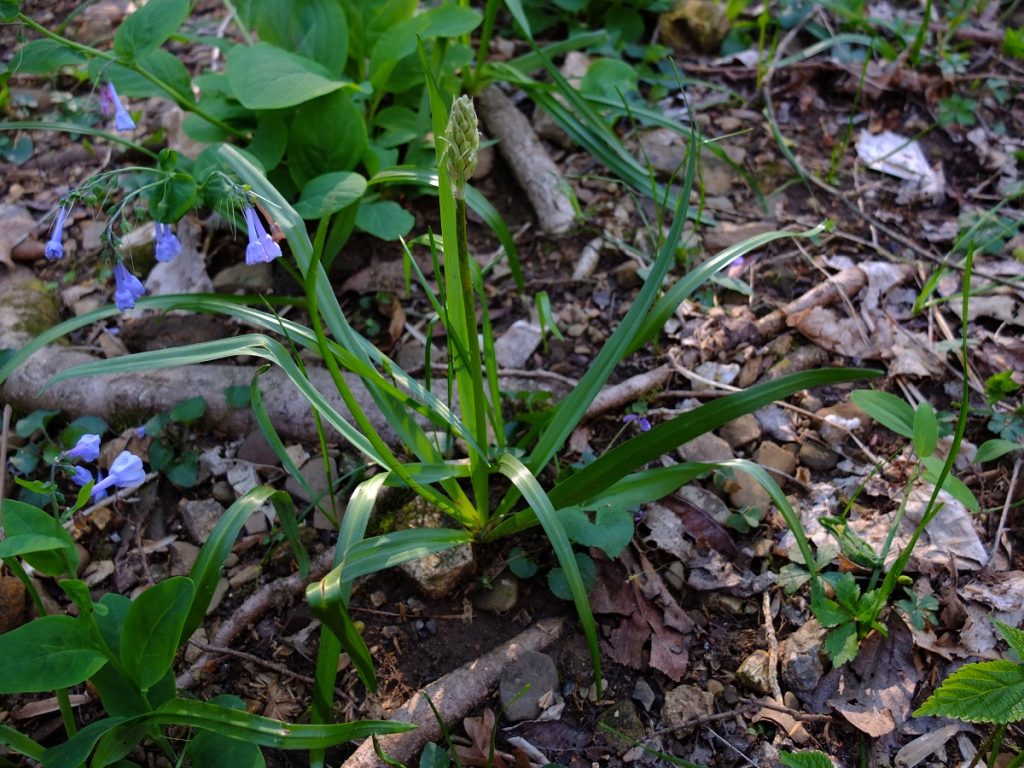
<point x="454" y="696"/>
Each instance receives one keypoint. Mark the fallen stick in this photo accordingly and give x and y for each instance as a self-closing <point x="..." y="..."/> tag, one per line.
<point x="625" y="392"/>
<point x="524" y="153"/>
<point x="454" y="695"/>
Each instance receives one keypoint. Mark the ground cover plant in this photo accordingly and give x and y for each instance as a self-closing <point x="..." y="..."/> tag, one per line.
<point x="563" y="485"/>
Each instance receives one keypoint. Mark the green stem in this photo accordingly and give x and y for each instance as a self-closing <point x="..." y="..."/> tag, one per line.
<point x="87" y="50"/>
<point x="479" y="463"/>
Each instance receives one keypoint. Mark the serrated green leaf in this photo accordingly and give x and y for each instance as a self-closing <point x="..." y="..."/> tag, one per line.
<point x="888" y="410"/>
<point x="841" y="643"/>
<point x="1013" y="637"/>
<point x="985" y="692"/>
<point x="149" y="27"/>
<point x="9" y="10"/>
<point x="808" y="759"/>
<point x="48" y="653"/>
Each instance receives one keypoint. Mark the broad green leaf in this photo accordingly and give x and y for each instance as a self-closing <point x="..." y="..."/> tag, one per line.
<point x="1014" y="637"/>
<point x="116" y="743"/>
<point x="37" y="420"/>
<point x="434" y="756"/>
<point x="926" y="430"/>
<point x="520" y="564"/>
<point x="20" y="743"/>
<point x="21" y="520"/>
<point x="993" y="449"/>
<point x="559" y="585"/>
<point x="611" y="530"/>
<point x="264" y="76"/>
<point x="953" y="485"/>
<point x="149" y="27"/>
<point x="172" y="198"/>
<point x="48" y="653"/>
<point x="188" y="411"/>
<point x="269" y="140"/>
<point x="384" y="219"/>
<point x="841" y="643"/>
<point x="446" y="21"/>
<point x="808" y="759"/>
<point x="330" y="193"/>
<point x="985" y="692"/>
<point x="74" y="752"/>
<point x="613" y="78"/>
<point x="327" y="134"/>
<point x="205" y="571"/>
<point x="211" y="750"/>
<point x="266" y="732"/>
<point x="152" y="629"/>
<point x="29" y="543"/>
<point x="237" y="396"/>
<point x="315" y="29"/>
<point x="43" y="57"/>
<point x="9" y="10"/>
<point x="888" y="410"/>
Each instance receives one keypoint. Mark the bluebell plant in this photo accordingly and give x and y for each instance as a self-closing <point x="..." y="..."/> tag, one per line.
<point x="262" y="248"/>
<point x="54" y="247"/>
<point x="110" y="102"/>
<point x="127" y="287"/>
<point x="167" y="244"/>
<point x="87" y="449"/>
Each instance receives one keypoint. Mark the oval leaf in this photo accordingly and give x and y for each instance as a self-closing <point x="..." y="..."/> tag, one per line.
<point x="152" y="630"/>
<point x="149" y="27"/>
<point x="264" y="76"/>
<point x="48" y="653"/>
<point x="329" y="194"/>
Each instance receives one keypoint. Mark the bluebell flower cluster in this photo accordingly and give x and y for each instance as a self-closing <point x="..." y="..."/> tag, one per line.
<point x="167" y="244"/>
<point x="110" y="102"/>
<point x="261" y="248"/>
<point x="125" y="472"/>
<point x="127" y="287"/>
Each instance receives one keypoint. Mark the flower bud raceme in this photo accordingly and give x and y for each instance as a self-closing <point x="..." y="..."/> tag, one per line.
<point x="125" y="472"/>
<point x="127" y="287"/>
<point x="111" y="102"/>
<point x="261" y="248"/>
<point x="167" y="244"/>
<point x="87" y="448"/>
<point x="462" y="139"/>
<point x="81" y="476"/>
<point x="54" y="247"/>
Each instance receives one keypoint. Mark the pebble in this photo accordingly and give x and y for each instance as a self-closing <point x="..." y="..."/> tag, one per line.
<point x="800" y="657"/>
<point x="623" y="718"/>
<point x="316" y="479"/>
<point x="745" y="491"/>
<point x="779" y="461"/>
<point x="534" y="669"/>
<point x="255" y="448"/>
<point x="643" y="693"/>
<point x="685" y="703"/>
<point x="200" y="516"/>
<point x="817" y="456"/>
<point x="252" y="278"/>
<point x="245" y="574"/>
<point x="501" y="596"/>
<point x="843" y="414"/>
<point x="515" y="346"/>
<point x="98" y="572"/>
<point x="754" y="672"/>
<point x="741" y="431"/>
<point x="706" y="447"/>
<point x="223" y="492"/>
<point x="12" y="603"/>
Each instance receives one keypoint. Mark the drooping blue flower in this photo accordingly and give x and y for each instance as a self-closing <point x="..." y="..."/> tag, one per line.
<point x="87" y="448"/>
<point x="261" y="248"/>
<point x="127" y="287"/>
<point x="110" y="101"/>
<point x="81" y="476"/>
<point x="125" y="472"/>
<point x="641" y="421"/>
<point x="54" y="247"/>
<point x="167" y="244"/>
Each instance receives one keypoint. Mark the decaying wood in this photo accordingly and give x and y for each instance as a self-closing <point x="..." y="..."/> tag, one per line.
<point x="618" y="395"/>
<point x="454" y="695"/>
<point x="846" y="283"/>
<point x="533" y="168"/>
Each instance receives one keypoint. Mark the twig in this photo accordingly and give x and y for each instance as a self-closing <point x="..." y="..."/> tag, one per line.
<point x="809" y="717"/>
<point x="124" y="493"/>
<point x="271" y="595"/>
<point x="279" y="668"/>
<point x="773" y="647"/>
<point x="1006" y="510"/>
<point x="631" y="389"/>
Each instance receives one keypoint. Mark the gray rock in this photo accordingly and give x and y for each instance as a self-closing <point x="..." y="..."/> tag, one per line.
<point x="502" y="595"/>
<point x="200" y="516"/>
<point x="707" y="447"/>
<point x="741" y="431"/>
<point x="685" y="703"/>
<point x="817" y="456"/>
<point x="643" y="693"/>
<point x="223" y="492"/>
<point x="183" y="557"/>
<point x="745" y="491"/>
<point x="801" y="659"/>
<point x="524" y="682"/>
<point x="257" y="278"/>
<point x="623" y="719"/>
<point x="753" y="672"/>
<point x="706" y="501"/>
<point x="255" y="448"/>
<point x="316" y="479"/>
<point x="834" y="417"/>
<point x="437" y="574"/>
<point x="780" y="462"/>
<point x="514" y="347"/>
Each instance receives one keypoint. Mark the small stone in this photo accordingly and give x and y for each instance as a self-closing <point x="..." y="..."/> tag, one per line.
<point x="515" y="346"/>
<point x="800" y="657"/>
<point x="706" y="447"/>
<point x="754" y="672"/>
<point x="715" y="688"/>
<point x="223" y="492"/>
<point x="183" y="557"/>
<point x="245" y="574"/>
<point x="524" y="682"/>
<point x="502" y="595"/>
<point x="627" y="275"/>
<point x="840" y="419"/>
<point x="745" y="491"/>
<point x="316" y="479"/>
<point x="98" y="572"/>
<point x="200" y="516"/>
<point x="625" y="724"/>
<point x="256" y="449"/>
<point x="12" y="603"/>
<point x="643" y="693"/>
<point x="576" y="330"/>
<point x="251" y="278"/>
<point x="741" y="431"/>
<point x="721" y="373"/>
<point x="686" y="703"/>
<point x="193" y="652"/>
<point x="776" y="460"/>
<point x="439" y="573"/>
<point x="817" y="456"/>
